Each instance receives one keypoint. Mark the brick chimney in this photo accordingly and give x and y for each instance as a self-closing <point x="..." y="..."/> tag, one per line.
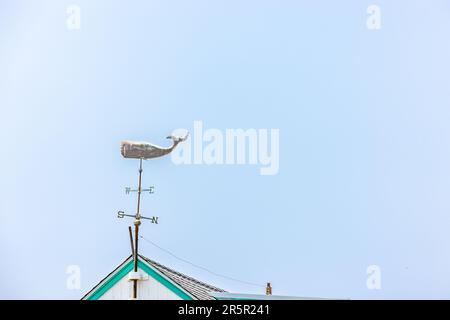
<point x="268" y="289"/>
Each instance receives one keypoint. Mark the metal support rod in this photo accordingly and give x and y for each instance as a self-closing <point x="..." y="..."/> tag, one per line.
<point x="137" y="222"/>
<point x="135" y="284"/>
<point x="131" y="241"/>
<point x="138" y="213"/>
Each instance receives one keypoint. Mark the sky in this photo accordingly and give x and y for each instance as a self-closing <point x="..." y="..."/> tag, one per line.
<point x="364" y="144"/>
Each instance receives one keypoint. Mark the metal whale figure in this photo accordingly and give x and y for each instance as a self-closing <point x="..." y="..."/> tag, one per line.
<point x="144" y="150"/>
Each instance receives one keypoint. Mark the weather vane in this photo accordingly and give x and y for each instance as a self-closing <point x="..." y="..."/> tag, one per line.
<point x="142" y="151"/>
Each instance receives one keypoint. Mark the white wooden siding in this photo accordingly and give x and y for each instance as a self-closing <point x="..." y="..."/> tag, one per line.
<point x="147" y="290"/>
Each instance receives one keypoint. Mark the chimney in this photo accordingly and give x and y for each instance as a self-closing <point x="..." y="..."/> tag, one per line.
<point x="268" y="289"/>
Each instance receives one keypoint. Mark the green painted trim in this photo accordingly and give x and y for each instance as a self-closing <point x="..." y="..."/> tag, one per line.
<point x="150" y="271"/>
<point x="112" y="281"/>
<point x="169" y="285"/>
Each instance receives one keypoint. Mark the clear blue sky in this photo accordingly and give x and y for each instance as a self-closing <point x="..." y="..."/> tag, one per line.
<point x="363" y="115"/>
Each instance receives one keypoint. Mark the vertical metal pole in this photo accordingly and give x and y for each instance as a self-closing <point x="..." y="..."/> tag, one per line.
<point x="131" y="241"/>
<point x="134" y="294"/>
<point x="137" y="222"/>
<point x="135" y="283"/>
<point x="138" y="214"/>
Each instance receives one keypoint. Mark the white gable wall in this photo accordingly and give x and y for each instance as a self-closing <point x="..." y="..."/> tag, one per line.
<point x="149" y="289"/>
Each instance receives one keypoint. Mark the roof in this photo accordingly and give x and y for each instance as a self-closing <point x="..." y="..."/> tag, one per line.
<point x="188" y="287"/>
<point x="195" y="287"/>
<point x="246" y="296"/>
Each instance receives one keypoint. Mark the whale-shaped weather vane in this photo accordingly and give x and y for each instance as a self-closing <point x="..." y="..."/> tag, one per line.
<point x="142" y="151"/>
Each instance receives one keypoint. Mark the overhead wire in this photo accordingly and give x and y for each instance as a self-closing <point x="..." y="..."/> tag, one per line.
<point x="198" y="266"/>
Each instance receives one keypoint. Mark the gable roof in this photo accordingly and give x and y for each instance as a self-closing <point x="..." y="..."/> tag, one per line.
<point x="198" y="289"/>
<point x="184" y="286"/>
